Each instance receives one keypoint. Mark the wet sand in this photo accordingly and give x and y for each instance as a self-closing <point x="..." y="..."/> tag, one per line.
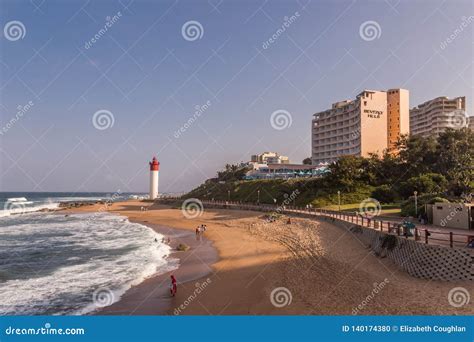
<point x="307" y="268"/>
<point x="230" y="292"/>
<point x="152" y="297"/>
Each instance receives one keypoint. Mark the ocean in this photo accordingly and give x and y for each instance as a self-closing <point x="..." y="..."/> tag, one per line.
<point x="22" y="202"/>
<point x="57" y="264"/>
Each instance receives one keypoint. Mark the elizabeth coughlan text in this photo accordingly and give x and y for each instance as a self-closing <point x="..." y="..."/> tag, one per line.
<point x="435" y="328"/>
<point x="46" y="330"/>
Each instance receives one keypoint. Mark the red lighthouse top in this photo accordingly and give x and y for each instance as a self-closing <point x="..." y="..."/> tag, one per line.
<point x="154" y="165"/>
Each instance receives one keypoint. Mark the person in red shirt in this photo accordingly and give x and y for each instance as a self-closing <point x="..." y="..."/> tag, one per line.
<point x="173" y="287"/>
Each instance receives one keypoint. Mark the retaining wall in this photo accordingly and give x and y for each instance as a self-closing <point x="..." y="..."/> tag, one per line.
<point x="417" y="258"/>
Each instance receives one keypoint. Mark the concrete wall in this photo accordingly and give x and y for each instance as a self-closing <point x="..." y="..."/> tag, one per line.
<point x="418" y="259"/>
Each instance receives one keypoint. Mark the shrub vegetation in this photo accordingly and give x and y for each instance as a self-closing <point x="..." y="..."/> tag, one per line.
<point x="438" y="169"/>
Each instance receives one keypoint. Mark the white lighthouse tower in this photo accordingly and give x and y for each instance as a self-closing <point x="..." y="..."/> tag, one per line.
<point x="154" y="176"/>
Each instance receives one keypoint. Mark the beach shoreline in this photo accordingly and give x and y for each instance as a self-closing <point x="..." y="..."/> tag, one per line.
<point x="152" y="297"/>
<point x="199" y="266"/>
<point x="319" y="269"/>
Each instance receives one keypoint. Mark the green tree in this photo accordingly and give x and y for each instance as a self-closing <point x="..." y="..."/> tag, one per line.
<point x="429" y="183"/>
<point x="347" y="173"/>
<point x="455" y="159"/>
<point x="232" y="172"/>
<point x="391" y="169"/>
<point x="384" y="194"/>
<point x="417" y="154"/>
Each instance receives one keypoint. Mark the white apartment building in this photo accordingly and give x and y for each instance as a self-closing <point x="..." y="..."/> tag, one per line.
<point x="435" y="116"/>
<point x="269" y="158"/>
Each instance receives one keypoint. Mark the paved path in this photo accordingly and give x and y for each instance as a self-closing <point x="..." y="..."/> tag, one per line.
<point x="430" y="234"/>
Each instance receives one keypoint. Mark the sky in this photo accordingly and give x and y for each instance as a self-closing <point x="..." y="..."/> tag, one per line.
<point x="202" y="83"/>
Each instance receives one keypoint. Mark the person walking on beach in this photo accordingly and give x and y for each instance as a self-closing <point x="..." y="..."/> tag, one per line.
<point x="173" y="286"/>
<point x="198" y="233"/>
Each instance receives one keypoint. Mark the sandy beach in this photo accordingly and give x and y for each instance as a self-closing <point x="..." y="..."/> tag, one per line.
<point x="246" y="265"/>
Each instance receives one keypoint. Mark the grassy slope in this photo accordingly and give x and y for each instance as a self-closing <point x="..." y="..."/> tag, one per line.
<point x="306" y="190"/>
<point x="387" y="209"/>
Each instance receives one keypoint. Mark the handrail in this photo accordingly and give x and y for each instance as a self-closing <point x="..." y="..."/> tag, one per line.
<point x="419" y="234"/>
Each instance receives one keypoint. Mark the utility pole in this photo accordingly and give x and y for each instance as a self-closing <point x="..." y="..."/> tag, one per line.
<point x="339" y="199"/>
<point x="416" y="202"/>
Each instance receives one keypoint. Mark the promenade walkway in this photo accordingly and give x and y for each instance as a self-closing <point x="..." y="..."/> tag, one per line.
<point x="428" y="234"/>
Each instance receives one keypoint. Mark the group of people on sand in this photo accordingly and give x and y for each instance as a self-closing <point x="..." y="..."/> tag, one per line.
<point x="200" y="230"/>
<point x="164" y="240"/>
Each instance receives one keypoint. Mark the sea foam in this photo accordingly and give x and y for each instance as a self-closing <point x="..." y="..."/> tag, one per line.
<point x="74" y="264"/>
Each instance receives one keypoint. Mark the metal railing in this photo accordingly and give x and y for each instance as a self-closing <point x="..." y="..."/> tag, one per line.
<point x="421" y="234"/>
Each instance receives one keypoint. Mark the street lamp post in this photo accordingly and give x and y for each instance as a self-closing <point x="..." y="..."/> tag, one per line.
<point x="416" y="202"/>
<point x="339" y="199"/>
<point x="258" y="196"/>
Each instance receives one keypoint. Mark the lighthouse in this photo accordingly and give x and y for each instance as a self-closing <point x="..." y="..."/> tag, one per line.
<point x="154" y="175"/>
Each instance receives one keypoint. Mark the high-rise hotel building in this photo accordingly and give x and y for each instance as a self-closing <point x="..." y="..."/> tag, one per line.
<point x="371" y="123"/>
<point x="435" y="116"/>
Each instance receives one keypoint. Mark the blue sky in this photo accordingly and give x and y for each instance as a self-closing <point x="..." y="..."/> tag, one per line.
<point x="150" y="78"/>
